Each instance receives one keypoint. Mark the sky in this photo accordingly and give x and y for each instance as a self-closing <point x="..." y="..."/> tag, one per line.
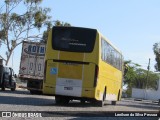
<point x="133" y="26"/>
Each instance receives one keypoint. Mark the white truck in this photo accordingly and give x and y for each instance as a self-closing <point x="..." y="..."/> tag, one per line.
<point x="32" y="65"/>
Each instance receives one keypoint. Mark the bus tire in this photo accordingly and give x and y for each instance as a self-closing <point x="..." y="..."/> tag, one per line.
<point x="32" y="92"/>
<point x="82" y="101"/>
<point x="113" y="102"/>
<point x="65" y="101"/>
<point x="35" y="92"/>
<point x="100" y="103"/>
<point x="60" y="100"/>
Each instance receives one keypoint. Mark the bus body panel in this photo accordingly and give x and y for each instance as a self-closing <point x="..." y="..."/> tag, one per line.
<point x="111" y="78"/>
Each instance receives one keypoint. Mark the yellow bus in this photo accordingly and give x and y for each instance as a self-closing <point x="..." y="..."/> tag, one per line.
<point x="81" y="64"/>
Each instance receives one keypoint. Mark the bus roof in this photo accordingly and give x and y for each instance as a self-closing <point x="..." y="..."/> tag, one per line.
<point x="73" y="27"/>
<point x="95" y="30"/>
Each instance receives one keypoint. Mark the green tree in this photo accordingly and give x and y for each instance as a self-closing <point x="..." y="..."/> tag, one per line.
<point x="56" y="23"/>
<point x="17" y="27"/>
<point x="156" y="50"/>
<point x="137" y="77"/>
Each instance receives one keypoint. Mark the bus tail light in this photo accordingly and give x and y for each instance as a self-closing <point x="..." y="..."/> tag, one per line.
<point x="96" y="75"/>
<point x="45" y="69"/>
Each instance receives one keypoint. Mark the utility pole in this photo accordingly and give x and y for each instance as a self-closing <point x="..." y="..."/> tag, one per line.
<point x="148" y="68"/>
<point x="148" y="72"/>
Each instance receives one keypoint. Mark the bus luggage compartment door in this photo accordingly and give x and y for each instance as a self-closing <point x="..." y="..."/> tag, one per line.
<point x="70" y="77"/>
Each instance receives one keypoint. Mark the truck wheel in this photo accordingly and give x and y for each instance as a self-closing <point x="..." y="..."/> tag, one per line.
<point x="3" y="86"/>
<point x="14" y="88"/>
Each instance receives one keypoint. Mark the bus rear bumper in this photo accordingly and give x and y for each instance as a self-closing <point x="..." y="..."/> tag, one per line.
<point x="87" y="93"/>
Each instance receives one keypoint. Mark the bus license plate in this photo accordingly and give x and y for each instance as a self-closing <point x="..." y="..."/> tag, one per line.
<point x="68" y="88"/>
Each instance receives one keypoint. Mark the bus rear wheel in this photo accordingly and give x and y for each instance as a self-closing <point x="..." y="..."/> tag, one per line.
<point x="61" y="100"/>
<point x="82" y="101"/>
<point x="113" y="102"/>
<point x="35" y="92"/>
<point x="100" y="103"/>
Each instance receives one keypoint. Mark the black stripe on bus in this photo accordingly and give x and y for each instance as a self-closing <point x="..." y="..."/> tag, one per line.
<point x="67" y="61"/>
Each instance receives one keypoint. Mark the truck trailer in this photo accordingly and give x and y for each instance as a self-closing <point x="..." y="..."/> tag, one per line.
<point x="32" y="65"/>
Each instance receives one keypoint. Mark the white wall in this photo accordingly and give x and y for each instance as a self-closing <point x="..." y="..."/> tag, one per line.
<point x="146" y="94"/>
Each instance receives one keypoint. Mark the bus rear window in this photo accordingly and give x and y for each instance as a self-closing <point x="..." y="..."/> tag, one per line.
<point x="73" y="39"/>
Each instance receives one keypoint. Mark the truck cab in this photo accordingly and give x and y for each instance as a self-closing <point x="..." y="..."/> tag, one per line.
<point x="7" y="78"/>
